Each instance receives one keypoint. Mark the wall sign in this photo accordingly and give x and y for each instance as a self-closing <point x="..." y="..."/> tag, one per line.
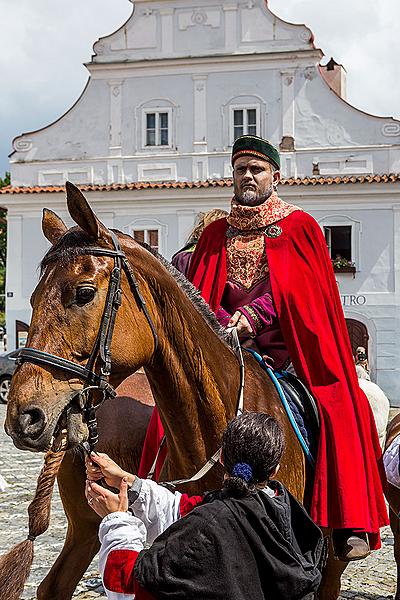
<point x="353" y="300"/>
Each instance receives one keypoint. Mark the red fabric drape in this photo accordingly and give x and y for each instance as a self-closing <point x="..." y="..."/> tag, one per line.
<point x="348" y="479"/>
<point x="152" y="441"/>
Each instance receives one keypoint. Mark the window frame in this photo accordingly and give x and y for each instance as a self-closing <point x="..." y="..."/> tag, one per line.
<point x="245" y="108"/>
<point x="327" y="229"/>
<point x="143" y="224"/>
<point x="146" y="229"/>
<point x="157" y="111"/>
<point x="336" y="220"/>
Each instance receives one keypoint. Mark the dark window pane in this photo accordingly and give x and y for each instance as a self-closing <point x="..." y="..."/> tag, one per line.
<point x="341" y="242"/>
<point x="151" y="137"/>
<point x="164" y="137"/>
<point x="164" y="120"/>
<point x="252" y="130"/>
<point x="138" y="235"/>
<point x="151" y="120"/>
<point x="152" y="235"/>
<point x="237" y="131"/>
<point x="251" y="117"/>
<point x="237" y="117"/>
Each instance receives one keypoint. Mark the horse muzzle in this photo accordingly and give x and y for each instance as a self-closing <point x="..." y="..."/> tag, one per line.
<point x="34" y="430"/>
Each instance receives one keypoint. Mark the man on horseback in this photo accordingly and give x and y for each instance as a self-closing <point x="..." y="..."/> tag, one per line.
<point x="266" y="269"/>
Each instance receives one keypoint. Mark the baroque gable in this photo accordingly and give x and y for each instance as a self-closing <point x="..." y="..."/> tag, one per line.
<point x="165" y="29"/>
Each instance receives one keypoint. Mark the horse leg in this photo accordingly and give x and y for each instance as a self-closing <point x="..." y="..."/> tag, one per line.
<point x="122" y="425"/>
<point x="331" y="575"/>
<point x="81" y="543"/>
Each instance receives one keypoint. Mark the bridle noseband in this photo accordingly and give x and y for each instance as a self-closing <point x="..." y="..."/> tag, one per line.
<point x="102" y="346"/>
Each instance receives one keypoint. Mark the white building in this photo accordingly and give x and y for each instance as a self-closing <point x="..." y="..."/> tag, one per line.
<point x="150" y="138"/>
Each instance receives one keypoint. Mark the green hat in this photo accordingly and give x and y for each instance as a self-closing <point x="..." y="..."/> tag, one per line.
<point x="255" y="146"/>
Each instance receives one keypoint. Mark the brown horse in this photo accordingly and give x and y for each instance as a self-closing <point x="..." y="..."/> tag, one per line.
<point x="132" y="407"/>
<point x="194" y="374"/>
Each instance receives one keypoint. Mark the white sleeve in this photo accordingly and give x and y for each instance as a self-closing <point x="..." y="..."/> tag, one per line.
<point x="156" y="507"/>
<point x="119" y="531"/>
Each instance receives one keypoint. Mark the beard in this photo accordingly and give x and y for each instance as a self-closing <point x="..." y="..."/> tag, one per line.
<point x="251" y="198"/>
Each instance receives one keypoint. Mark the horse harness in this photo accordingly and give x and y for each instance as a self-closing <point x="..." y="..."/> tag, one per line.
<point x="102" y="346"/>
<point x="102" y="350"/>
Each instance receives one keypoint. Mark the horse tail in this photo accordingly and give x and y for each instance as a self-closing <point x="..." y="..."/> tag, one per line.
<point x="15" y="566"/>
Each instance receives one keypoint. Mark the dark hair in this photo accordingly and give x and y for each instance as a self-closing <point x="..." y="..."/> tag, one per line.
<point x="252" y="447"/>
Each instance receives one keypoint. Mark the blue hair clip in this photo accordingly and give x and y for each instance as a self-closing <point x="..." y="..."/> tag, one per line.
<point x="243" y="470"/>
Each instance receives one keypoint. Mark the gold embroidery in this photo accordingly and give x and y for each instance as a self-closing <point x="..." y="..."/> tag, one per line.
<point x="247" y="262"/>
<point x="247" y="218"/>
<point x="255" y="317"/>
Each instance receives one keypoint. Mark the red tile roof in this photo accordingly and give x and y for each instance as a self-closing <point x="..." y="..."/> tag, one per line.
<point x="143" y="185"/>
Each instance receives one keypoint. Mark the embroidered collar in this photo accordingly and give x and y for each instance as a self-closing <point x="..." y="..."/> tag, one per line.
<point x="247" y="262"/>
<point x="253" y="218"/>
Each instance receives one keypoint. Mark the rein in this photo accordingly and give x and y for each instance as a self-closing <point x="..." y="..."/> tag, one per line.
<point x="102" y="346"/>
<point x="102" y="351"/>
<point x="215" y="457"/>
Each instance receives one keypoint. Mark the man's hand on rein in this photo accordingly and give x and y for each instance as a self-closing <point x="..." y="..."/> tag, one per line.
<point x="242" y="324"/>
<point x="101" y="466"/>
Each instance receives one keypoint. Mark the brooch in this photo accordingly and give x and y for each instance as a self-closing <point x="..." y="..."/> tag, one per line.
<point x="232" y="232"/>
<point x="273" y="231"/>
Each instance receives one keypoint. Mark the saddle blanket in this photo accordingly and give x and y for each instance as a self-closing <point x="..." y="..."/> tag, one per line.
<point x="391" y="462"/>
<point x="299" y="405"/>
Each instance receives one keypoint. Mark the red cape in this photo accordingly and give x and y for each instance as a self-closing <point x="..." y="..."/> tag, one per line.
<point x="152" y="442"/>
<point x="348" y="489"/>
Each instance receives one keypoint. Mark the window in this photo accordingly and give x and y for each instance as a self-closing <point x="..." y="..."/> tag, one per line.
<point x="338" y="239"/>
<point x="343" y="238"/>
<point x="244" y="122"/>
<point x="149" y="231"/>
<point x="147" y="236"/>
<point x="157" y="129"/>
<point x="156" y="126"/>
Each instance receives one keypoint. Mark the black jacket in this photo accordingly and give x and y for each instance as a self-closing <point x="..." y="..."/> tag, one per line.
<point x="253" y="548"/>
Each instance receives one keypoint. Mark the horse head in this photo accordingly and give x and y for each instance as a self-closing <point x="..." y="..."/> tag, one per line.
<point x="67" y="311"/>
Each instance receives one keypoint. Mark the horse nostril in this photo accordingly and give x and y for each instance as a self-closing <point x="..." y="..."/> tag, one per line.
<point x="32" y="421"/>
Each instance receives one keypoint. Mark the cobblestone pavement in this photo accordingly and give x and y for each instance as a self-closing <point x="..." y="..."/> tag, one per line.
<point x="372" y="579"/>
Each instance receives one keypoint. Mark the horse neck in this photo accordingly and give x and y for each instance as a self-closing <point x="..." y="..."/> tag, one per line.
<point x="195" y="381"/>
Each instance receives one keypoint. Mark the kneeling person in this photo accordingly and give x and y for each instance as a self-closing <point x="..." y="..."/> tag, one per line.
<point x="251" y="539"/>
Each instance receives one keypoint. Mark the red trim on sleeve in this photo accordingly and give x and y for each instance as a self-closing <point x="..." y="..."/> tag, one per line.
<point x="118" y="574"/>
<point x="188" y="503"/>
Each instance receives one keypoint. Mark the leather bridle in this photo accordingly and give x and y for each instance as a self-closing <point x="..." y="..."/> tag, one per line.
<point x="101" y="352"/>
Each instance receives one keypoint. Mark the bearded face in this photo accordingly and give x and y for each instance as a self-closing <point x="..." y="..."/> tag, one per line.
<point x="254" y="180"/>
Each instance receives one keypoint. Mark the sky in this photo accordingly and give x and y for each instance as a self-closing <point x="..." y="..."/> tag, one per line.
<point x="44" y="43"/>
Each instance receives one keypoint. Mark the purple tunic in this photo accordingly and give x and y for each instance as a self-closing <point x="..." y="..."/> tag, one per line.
<point x="181" y="260"/>
<point x="257" y="305"/>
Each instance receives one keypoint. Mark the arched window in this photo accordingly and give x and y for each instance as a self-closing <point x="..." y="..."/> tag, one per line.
<point x="149" y="231"/>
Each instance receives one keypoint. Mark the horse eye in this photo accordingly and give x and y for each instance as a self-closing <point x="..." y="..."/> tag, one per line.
<point x="85" y="295"/>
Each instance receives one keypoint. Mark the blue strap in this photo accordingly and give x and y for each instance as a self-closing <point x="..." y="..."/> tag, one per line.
<point x="274" y="378"/>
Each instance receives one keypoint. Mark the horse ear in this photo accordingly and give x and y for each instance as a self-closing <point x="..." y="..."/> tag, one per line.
<point x="82" y="214"/>
<point x="53" y="227"/>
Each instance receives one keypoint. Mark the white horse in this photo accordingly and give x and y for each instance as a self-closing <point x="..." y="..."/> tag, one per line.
<point x="378" y="401"/>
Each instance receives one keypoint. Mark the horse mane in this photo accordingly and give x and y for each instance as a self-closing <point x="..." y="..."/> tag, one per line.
<point x="76" y="242"/>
